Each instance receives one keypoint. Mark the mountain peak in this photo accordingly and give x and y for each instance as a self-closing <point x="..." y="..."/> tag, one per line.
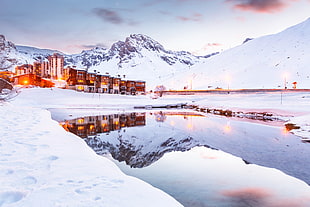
<point x="144" y="41"/>
<point x="4" y="44"/>
<point x="135" y="43"/>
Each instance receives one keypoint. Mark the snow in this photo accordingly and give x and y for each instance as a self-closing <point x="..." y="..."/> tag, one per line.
<point x="38" y="168"/>
<point x="265" y="62"/>
<point x="43" y="165"/>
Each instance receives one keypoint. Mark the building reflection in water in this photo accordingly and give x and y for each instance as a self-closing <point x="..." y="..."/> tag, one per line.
<point x="92" y="125"/>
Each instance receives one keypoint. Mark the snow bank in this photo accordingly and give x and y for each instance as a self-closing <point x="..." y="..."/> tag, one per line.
<point x="43" y="165"/>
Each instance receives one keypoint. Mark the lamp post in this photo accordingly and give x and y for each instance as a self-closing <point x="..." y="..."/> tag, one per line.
<point x="228" y="79"/>
<point x="285" y="80"/>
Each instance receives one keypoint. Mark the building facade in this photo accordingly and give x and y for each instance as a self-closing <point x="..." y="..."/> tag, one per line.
<point x="56" y="66"/>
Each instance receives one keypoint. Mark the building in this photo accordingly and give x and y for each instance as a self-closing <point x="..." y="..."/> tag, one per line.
<point x="32" y="80"/>
<point x="140" y="87"/>
<point x="56" y="66"/>
<point x="91" y="82"/>
<point x="45" y="70"/>
<point x="82" y="80"/>
<point x="123" y="87"/>
<point x="24" y="69"/>
<point x="6" y="75"/>
<point x="131" y="87"/>
<point x="114" y="85"/>
<point x="103" y="83"/>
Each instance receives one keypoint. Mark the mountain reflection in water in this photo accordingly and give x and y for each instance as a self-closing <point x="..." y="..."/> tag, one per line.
<point x="96" y="132"/>
<point x="171" y="151"/>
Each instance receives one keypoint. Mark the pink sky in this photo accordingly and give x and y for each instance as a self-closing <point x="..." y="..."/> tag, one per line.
<point x="197" y="26"/>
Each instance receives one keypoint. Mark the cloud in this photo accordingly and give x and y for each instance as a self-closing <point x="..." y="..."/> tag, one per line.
<point x="108" y="15"/>
<point x="257" y="197"/>
<point x="196" y="17"/>
<point x="208" y="48"/>
<point x="260" y="6"/>
<point x="248" y="196"/>
<point x="93" y="46"/>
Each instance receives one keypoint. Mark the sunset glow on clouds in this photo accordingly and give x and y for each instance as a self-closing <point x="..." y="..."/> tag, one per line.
<point x="198" y="26"/>
<point x="261" y="6"/>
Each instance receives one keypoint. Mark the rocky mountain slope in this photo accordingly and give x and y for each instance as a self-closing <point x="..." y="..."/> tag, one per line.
<point x="8" y="54"/>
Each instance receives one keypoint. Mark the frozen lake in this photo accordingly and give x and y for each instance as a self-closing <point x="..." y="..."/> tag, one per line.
<point x="200" y="160"/>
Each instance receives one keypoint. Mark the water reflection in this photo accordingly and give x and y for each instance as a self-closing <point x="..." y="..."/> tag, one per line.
<point x="92" y="125"/>
<point x="171" y="150"/>
<point x="141" y="138"/>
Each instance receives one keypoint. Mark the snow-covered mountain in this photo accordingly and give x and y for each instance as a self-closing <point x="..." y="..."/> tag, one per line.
<point x="272" y="61"/>
<point x="8" y="54"/>
<point x="139" y="58"/>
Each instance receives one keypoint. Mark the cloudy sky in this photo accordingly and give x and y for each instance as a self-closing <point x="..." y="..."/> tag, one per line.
<point x="197" y="26"/>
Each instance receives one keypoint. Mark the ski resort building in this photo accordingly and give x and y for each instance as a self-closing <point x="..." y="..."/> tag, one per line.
<point x="33" y="80"/>
<point x="81" y="80"/>
<point x="76" y="79"/>
<point x="56" y="66"/>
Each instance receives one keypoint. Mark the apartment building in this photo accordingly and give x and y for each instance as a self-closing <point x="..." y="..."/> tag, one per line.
<point x="56" y="66"/>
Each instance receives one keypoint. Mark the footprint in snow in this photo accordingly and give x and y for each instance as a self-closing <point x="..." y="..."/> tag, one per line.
<point x="29" y="180"/>
<point x="10" y="197"/>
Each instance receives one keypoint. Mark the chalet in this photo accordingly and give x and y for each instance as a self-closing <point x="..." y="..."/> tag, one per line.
<point x="82" y="80"/>
<point x="91" y="79"/>
<point x="123" y="87"/>
<point x="32" y="80"/>
<point x="24" y="69"/>
<point x="103" y="83"/>
<point x="37" y="69"/>
<point x="72" y="77"/>
<point x="6" y="75"/>
<point x="114" y="85"/>
<point x="131" y="87"/>
<point x="140" y="87"/>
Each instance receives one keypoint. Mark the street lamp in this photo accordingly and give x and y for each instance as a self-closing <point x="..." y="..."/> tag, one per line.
<point x="285" y="80"/>
<point x="228" y="79"/>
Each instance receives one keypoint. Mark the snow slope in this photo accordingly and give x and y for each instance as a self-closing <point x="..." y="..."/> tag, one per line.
<point x="43" y="165"/>
<point x="265" y="62"/>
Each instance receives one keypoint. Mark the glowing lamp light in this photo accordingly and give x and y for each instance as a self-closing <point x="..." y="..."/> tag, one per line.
<point x="189" y="126"/>
<point x="227" y="128"/>
<point x="25" y="82"/>
<point x="80" y="88"/>
<point x="228" y="80"/>
<point x="285" y="131"/>
<point x="285" y="76"/>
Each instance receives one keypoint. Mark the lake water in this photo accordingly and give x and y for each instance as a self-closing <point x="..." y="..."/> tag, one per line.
<point x="200" y="160"/>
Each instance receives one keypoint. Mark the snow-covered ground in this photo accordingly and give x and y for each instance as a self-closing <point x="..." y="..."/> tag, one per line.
<point x="293" y="107"/>
<point x="42" y="164"/>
